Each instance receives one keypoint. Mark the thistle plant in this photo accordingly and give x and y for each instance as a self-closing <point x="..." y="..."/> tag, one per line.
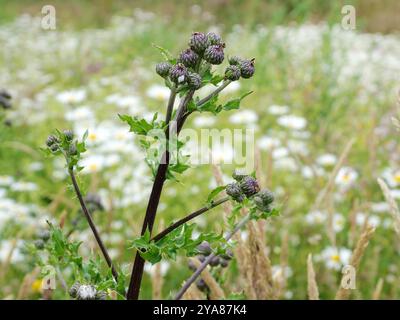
<point x="184" y="75"/>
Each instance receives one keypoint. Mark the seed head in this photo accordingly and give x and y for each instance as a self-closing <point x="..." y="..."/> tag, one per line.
<point x="214" y="261"/>
<point x="214" y="54"/>
<point x="163" y="68"/>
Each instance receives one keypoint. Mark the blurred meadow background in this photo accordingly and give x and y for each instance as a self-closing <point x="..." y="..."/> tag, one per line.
<point x="322" y="108"/>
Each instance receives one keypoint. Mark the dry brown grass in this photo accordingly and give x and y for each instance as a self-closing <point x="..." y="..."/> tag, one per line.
<point x="216" y="292"/>
<point x="312" y="287"/>
<point x="394" y="209"/>
<point x="358" y="252"/>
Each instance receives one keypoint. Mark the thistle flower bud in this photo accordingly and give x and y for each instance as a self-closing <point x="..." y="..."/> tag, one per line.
<point x="44" y="235"/>
<point x="204" y="248"/>
<point x="39" y="244"/>
<point x="201" y="285"/>
<point x="101" y="295"/>
<point x="263" y="200"/>
<point x="69" y="135"/>
<point x="198" y="42"/>
<point x="86" y="292"/>
<point x="214" y="54"/>
<point x="249" y="186"/>
<point x="163" y="68"/>
<point x="235" y="60"/>
<point x="51" y="140"/>
<point x="213" y="38"/>
<point x="233" y="190"/>
<point x="214" y="261"/>
<point x="54" y="147"/>
<point x="223" y="263"/>
<point x="247" y="68"/>
<point x="5" y="98"/>
<point x="189" y="58"/>
<point x="74" y="289"/>
<point x="194" y="80"/>
<point x="72" y="151"/>
<point x="201" y="258"/>
<point x="232" y="73"/>
<point x="228" y="255"/>
<point x="178" y="73"/>
<point x="238" y="175"/>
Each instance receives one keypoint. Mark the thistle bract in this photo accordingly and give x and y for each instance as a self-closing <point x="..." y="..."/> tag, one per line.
<point x="232" y="73"/>
<point x="233" y="190"/>
<point x="194" y="80"/>
<point x="213" y="38"/>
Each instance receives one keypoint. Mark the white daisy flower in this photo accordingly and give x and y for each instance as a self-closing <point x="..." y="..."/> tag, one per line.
<point x="335" y="258"/>
<point x="346" y="177"/>
<point x="392" y="177"/>
<point x="204" y="121"/>
<point x="79" y="114"/>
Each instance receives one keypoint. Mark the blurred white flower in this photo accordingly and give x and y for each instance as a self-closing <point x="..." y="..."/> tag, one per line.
<point x="267" y="142"/>
<point x="327" y="160"/>
<point x="71" y="96"/>
<point x="292" y="122"/>
<point x="335" y="258"/>
<point x="24" y="186"/>
<point x="338" y="222"/>
<point x="79" y="114"/>
<point x="380" y="207"/>
<point x="373" y="220"/>
<point x="244" y="117"/>
<point x="164" y="267"/>
<point x="204" y="121"/>
<point x="278" y="110"/>
<point x="392" y="177"/>
<point x="346" y="177"/>
<point x="315" y="217"/>
<point x="93" y="163"/>
<point x="158" y="92"/>
<point x="6" y="180"/>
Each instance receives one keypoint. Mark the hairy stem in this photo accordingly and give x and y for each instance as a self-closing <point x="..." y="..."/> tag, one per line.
<point x="189" y="217"/>
<point x="92" y="225"/>
<point x="199" y="270"/>
<point x="151" y="211"/>
<point x="214" y="93"/>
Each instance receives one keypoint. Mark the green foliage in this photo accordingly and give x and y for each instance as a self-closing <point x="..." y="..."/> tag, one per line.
<point x="141" y="126"/>
<point x="181" y="240"/>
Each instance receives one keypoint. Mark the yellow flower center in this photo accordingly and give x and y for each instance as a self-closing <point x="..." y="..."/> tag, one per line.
<point x="346" y="177"/>
<point x="397" y="177"/>
<point x="93" y="167"/>
<point x="335" y="258"/>
<point x="92" y="136"/>
<point x="37" y="286"/>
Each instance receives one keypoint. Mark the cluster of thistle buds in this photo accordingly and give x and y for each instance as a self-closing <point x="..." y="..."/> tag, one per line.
<point x="221" y="260"/>
<point x="247" y="186"/>
<point x="66" y="144"/>
<point x="80" y="291"/>
<point x="204" y="50"/>
<point x="5" y="99"/>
